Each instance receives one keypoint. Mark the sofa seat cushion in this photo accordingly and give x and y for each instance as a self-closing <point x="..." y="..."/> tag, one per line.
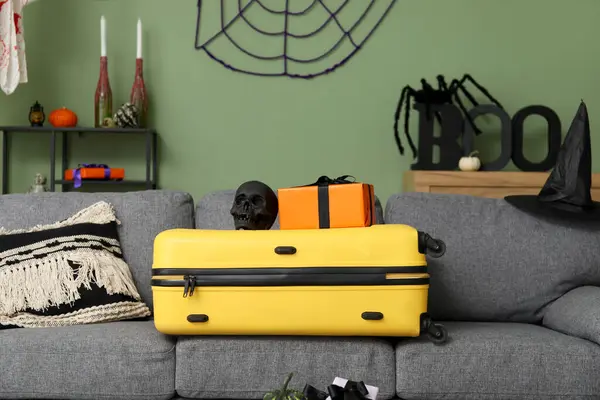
<point x="248" y="367"/>
<point x="119" y="360"/>
<point x="484" y="361"/>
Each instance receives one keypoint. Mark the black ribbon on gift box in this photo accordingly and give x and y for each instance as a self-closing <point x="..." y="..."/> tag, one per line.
<point x="351" y="391"/>
<point x="326" y="181"/>
<point x="323" y="195"/>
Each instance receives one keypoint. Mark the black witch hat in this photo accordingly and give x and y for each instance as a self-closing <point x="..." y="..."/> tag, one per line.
<point x="566" y="194"/>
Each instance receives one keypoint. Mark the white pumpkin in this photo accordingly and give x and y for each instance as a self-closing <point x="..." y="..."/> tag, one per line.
<point x="470" y="162"/>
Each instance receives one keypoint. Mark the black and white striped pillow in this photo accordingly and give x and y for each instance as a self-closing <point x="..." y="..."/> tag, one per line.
<point x="67" y="273"/>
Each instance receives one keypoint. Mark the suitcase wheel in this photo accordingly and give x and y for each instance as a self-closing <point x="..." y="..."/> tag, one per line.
<point x="436" y="333"/>
<point x="436" y="248"/>
<point x="430" y="246"/>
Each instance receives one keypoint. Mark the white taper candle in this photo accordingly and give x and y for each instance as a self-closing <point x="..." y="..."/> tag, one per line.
<point x="103" y="36"/>
<point x="139" y="38"/>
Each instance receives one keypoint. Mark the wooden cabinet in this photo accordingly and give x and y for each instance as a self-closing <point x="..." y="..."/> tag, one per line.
<point x="481" y="183"/>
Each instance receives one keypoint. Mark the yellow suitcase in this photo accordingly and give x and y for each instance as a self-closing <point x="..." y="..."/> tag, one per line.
<point x="368" y="281"/>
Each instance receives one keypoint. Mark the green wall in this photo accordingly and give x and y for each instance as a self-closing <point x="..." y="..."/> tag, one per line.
<point x="219" y="128"/>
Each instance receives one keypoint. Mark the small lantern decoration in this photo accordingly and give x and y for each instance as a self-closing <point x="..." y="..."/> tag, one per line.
<point x="36" y="115"/>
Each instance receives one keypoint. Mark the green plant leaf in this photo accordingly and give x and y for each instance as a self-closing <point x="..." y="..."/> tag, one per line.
<point x="284" y="393"/>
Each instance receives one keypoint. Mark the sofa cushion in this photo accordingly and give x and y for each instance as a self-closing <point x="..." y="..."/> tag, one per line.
<point x="212" y="211"/>
<point x="489" y="361"/>
<point x="501" y="264"/>
<point x="143" y="215"/>
<point x="248" y="367"/>
<point x="577" y="313"/>
<point x="118" y="360"/>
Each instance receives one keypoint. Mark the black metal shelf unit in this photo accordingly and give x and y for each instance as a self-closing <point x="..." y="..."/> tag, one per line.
<point x="151" y="139"/>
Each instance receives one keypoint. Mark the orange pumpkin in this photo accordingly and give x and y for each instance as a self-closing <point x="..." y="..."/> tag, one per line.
<point x="63" y="118"/>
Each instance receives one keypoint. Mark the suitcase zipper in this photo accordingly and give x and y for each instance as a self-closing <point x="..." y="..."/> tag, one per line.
<point x="417" y="269"/>
<point x="226" y="276"/>
<point x="189" y="285"/>
<point x="190" y="282"/>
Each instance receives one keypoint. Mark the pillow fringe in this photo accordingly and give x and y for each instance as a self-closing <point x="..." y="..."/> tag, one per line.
<point x="104" y="313"/>
<point x="56" y="279"/>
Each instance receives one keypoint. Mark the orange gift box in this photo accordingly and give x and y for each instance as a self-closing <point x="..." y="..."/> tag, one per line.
<point x="327" y="203"/>
<point x="96" y="173"/>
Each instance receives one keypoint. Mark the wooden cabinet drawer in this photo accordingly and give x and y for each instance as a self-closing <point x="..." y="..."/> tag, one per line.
<point x="482" y="191"/>
<point x="482" y="184"/>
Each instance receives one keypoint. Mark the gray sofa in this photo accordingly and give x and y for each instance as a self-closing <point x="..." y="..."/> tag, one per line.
<point x="519" y="297"/>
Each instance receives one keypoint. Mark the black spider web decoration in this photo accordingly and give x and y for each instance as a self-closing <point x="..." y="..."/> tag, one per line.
<point x="285" y="57"/>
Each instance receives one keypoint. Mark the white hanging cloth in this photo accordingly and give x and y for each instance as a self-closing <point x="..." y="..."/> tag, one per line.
<point x="13" y="64"/>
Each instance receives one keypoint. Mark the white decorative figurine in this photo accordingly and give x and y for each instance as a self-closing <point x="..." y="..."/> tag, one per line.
<point x="38" y="184"/>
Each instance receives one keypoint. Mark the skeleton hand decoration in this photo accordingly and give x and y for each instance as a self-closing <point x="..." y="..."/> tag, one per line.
<point x="255" y="206"/>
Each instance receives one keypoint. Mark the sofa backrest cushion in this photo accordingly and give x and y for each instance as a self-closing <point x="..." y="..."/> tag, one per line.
<point x="142" y="214"/>
<point x="501" y="264"/>
<point x="212" y="211"/>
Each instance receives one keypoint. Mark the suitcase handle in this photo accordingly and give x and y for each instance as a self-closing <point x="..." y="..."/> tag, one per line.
<point x="372" y="316"/>
<point x="285" y="250"/>
<point x="197" y="318"/>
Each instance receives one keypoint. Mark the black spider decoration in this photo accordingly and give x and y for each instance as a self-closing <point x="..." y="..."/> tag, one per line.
<point x="444" y="94"/>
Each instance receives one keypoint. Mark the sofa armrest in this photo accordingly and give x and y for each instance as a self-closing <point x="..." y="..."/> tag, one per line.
<point x="576" y="313"/>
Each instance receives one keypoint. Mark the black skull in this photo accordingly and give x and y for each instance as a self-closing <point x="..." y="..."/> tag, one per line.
<point x="255" y="207"/>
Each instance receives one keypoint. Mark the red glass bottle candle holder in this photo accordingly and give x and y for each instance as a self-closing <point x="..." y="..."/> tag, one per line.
<point x="103" y="98"/>
<point x="139" y="96"/>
